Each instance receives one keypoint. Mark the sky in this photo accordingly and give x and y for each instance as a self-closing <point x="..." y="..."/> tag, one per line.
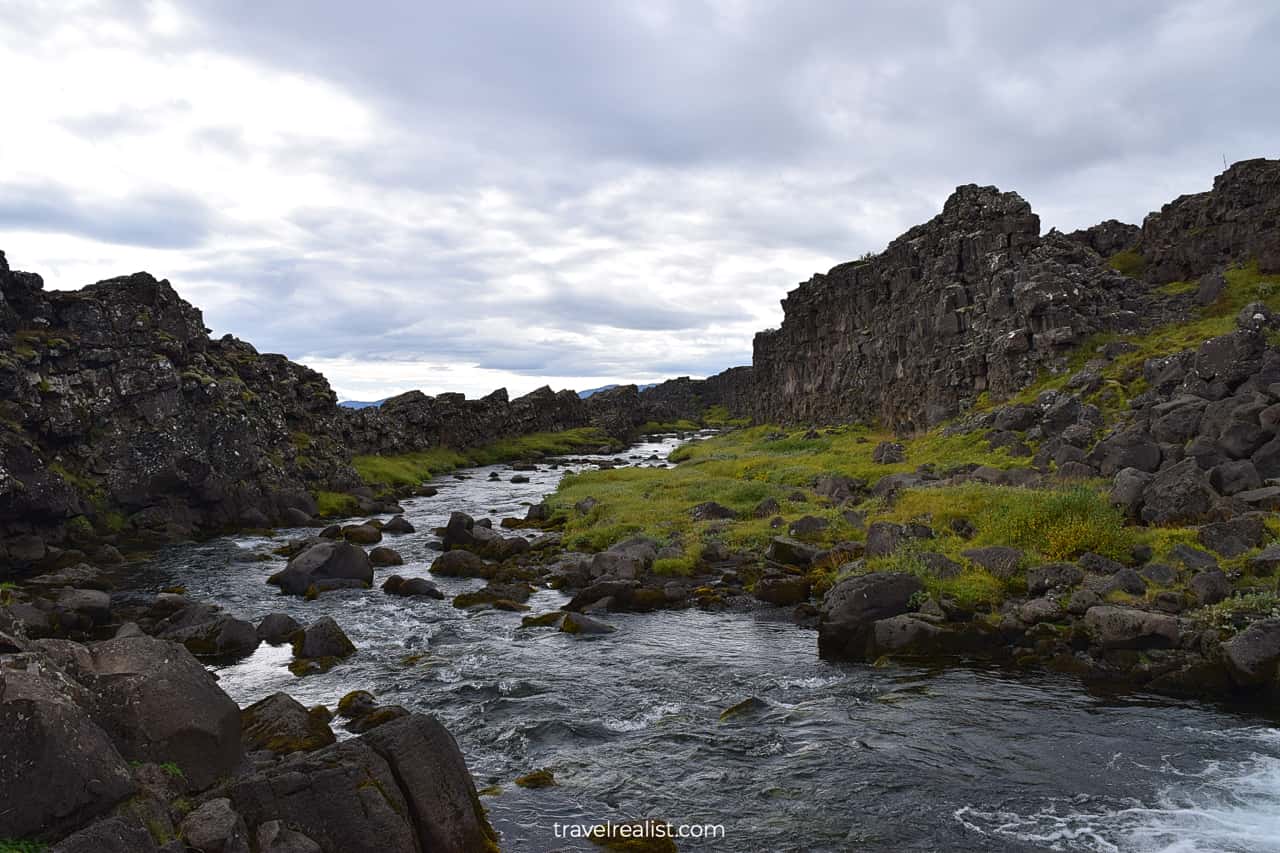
<point x="460" y="197"/>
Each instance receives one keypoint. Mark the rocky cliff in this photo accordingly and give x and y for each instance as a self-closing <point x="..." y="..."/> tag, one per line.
<point x="121" y="415"/>
<point x="977" y="301"/>
<point x="415" y="421"/>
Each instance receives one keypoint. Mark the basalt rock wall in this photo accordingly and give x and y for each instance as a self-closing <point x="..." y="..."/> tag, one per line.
<point x="1238" y="220"/>
<point x="415" y="421"/>
<point x="973" y="301"/>
<point x="120" y="415"/>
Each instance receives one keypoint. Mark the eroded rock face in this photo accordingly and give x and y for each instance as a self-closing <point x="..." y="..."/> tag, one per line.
<point x="852" y="607"/>
<point x="974" y="300"/>
<point x="1196" y="234"/>
<point x="175" y="433"/>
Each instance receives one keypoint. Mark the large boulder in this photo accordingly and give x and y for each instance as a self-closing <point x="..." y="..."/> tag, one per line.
<point x="462" y="564"/>
<point x="791" y="552"/>
<point x="58" y="768"/>
<point x="214" y="827"/>
<point x="852" y="606"/>
<point x="322" y="639"/>
<point x="160" y="705"/>
<point x="1179" y="493"/>
<point x="325" y="565"/>
<point x="401" y="788"/>
<point x="276" y="628"/>
<point x="1126" y="628"/>
<point x="282" y="725"/>
<point x="1253" y="655"/>
<point x="211" y="634"/>
<point x="438" y="788"/>
<point x="464" y="532"/>
<point x="1233" y="538"/>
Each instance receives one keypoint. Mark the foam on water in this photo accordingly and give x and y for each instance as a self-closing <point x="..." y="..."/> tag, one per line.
<point x="1222" y="806"/>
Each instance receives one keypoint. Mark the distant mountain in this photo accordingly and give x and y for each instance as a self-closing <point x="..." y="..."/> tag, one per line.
<point x="361" y="404"/>
<point x="587" y="393"/>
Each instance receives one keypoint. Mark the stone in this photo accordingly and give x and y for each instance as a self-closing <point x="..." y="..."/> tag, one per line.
<point x="275" y="628"/>
<point x="1234" y="476"/>
<point x="939" y="565"/>
<point x="1232" y="538"/>
<point x="398" y="526"/>
<point x="160" y="705"/>
<point x="221" y="636"/>
<point x="578" y="624"/>
<point x="904" y="635"/>
<point x="93" y="604"/>
<point x="1053" y="576"/>
<point x="462" y="564"/>
<point x="214" y="827"/>
<point x="1193" y="558"/>
<point x="711" y="511"/>
<point x="783" y="590"/>
<point x="791" y="552"/>
<point x="1000" y="560"/>
<point x="766" y="508"/>
<point x="325" y="565"/>
<point x="852" y="606"/>
<point x="383" y="556"/>
<point x="1210" y="587"/>
<point x="274" y="837"/>
<point x="1266" y="498"/>
<point x="1266" y="562"/>
<point x="58" y="768"/>
<point x="1179" y="493"/>
<point x="397" y="585"/>
<point x="807" y="526"/>
<point x="1253" y="655"/>
<point x="322" y="639"/>
<point x="889" y="453"/>
<point x="1159" y="574"/>
<point x="1126" y="628"/>
<point x="1040" y="610"/>
<point x="362" y="534"/>
<point x="1127" y="581"/>
<point x="280" y="724"/>
<point x="1127" y="490"/>
<point x="111" y="835"/>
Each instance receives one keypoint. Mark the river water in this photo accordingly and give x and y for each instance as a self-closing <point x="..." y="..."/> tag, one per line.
<point x="832" y="757"/>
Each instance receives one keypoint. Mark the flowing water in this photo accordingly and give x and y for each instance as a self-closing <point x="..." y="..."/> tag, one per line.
<point x="831" y="757"/>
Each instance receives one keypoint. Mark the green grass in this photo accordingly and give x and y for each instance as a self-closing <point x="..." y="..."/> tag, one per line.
<point x="411" y="469"/>
<point x="1050" y="525"/>
<point x="740" y="469"/>
<point x="335" y="504"/>
<point x="1122" y="377"/>
<point x="651" y="427"/>
<point x="11" y="845"/>
<point x="1127" y="263"/>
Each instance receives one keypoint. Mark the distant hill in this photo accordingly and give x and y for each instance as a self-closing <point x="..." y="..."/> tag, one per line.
<point x="361" y="404"/>
<point x="587" y="393"/>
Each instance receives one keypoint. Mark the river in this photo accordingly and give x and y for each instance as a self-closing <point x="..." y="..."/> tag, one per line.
<point x="833" y="757"/>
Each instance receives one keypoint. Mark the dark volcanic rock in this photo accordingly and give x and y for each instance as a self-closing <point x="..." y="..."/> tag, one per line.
<point x="852" y="606"/>
<point x="974" y="300"/>
<point x="160" y="705"/>
<point x="325" y="565"/>
<point x="282" y="725"/>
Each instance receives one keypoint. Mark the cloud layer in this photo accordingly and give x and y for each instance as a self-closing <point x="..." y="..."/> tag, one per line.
<point x="457" y="197"/>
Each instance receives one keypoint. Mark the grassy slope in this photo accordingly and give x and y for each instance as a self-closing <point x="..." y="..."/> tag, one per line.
<point x="744" y="467"/>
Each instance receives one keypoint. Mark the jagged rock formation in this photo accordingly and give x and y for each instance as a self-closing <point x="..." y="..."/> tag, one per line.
<point x="689" y="399"/>
<point x="416" y="421"/>
<point x="120" y="414"/>
<point x="977" y="301"/>
<point x="1239" y="219"/>
<point x="972" y="301"/>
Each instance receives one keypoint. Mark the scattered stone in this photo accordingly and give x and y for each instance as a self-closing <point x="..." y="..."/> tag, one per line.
<point x="1125" y="628"/>
<point x="276" y="628"/>
<point x="853" y="605"/>
<point x="383" y="556"/>
<point x="1000" y="560"/>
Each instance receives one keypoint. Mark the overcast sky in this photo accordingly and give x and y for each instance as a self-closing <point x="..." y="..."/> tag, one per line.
<point x="460" y="196"/>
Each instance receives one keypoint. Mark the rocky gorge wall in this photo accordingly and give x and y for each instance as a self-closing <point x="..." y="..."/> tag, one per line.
<point x="119" y="411"/>
<point x="977" y="301"/>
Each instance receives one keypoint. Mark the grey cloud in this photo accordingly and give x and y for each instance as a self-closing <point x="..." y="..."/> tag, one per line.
<point x="157" y="219"/>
